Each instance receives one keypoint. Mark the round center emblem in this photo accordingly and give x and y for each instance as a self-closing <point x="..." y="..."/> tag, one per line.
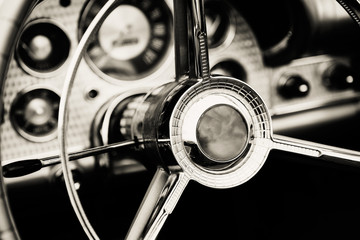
<point x="222" y="133"/>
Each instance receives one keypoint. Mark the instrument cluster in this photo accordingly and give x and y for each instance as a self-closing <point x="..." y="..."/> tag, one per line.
<point x="133" y="49"/>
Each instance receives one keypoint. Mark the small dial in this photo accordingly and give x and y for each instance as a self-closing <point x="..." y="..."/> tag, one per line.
<point x="293" y="86"/>
<point x="230" y="68"/>
<point x="34" y="114"/>
<point x="43" y="47"/>
<point x="340" y="77"/>
<point x="133" y="40"/>
<point x="219" y="22"/>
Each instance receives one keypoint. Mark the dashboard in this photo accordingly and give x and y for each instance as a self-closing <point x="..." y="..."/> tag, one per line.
<point x="144" y="57"/>
<point x="301" y="57"/>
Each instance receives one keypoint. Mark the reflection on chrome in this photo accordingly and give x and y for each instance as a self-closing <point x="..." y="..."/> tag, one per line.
<point x="222" y="133"/>
<point x="133" y="47"/>
<point x="213" y="130"/>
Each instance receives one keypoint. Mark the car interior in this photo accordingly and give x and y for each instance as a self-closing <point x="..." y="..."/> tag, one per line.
<point x="179" y="119"/>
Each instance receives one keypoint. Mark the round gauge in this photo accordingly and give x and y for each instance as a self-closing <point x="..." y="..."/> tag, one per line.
<point x="133" y="40"/>
<point x="34" y="114"/>
<point x="43" y="47"/>
<point x="231" y="68"/>
<point x="219" y="22"/>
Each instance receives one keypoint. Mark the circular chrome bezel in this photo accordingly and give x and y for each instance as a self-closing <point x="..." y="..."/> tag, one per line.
<point x="233" y="93"/>
<point x="44" y="74"/>
<point x="237" y="64"/>
<point x="37" y="139"/>
<point x="150" y="75"/>
<point x="230" y="33"/>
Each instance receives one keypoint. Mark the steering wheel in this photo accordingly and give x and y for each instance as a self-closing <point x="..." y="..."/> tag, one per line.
<point x="214" y="130"/>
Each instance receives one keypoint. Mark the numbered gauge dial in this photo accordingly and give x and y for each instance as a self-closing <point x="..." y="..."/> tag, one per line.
<point x="34" y="114"/>
<point x="132" y="42"/>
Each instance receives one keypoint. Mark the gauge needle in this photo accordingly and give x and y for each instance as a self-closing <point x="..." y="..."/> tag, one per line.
<point x="213" y="26"/>
<point x="102" y="60"/>
<point x="28" y="49"/>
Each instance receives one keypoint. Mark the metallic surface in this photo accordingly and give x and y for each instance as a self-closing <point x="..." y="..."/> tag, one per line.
<point x="138" y="47"/>
<point x="84" y="112"/>
<point x="222" y="133"/>
<point x="163" y="193"/>
<point x="34" y="113"/>
<point x="84" y="109"/>
<point x="200" y="42"/>
<point x="64" y="117"/>
<point x="27" y="166"/>
<point x="312" y="69"/>
<point x="232" y="93"/>
<point x="18" y="80"/>
<point x="12" y="15"/>
<point x="45" y="54"/>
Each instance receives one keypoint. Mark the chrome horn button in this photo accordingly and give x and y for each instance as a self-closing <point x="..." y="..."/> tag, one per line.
<point x="215" y="130"/>
<point x="220" y="132"/>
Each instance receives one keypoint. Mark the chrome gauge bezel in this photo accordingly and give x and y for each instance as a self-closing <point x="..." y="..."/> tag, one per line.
<point x="51" y="135"/>
<point x="228" y="37"/>
<point x="164" y="59"/>
<point x="51" y="72"/>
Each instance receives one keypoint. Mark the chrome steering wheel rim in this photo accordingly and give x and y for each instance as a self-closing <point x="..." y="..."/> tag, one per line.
<point x="169" y="181"/>
<point x="12" y="17"/>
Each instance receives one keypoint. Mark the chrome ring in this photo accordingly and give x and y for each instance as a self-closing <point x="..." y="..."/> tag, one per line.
<point x="240" y="96"/>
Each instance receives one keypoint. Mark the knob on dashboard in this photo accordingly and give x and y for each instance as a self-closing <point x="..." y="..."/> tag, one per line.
<point x="292" y="86"/>
<point x="340" y="77"/>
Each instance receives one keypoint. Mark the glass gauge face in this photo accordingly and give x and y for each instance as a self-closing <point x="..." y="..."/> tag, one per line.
<point x="43" y="47"/>
<point x="34" y="114"/>
<point x="218" y="22"/>
<point x="133" y="40"/>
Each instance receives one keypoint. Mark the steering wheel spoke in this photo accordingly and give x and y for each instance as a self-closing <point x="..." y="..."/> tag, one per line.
<point x="191" y="48"/>
<point x="160" y="199"/>
<point x="316" y="150"/>
<point x="214" y="130"/>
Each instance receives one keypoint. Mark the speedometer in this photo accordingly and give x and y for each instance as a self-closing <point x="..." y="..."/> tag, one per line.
<point x="132" y="42"/>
